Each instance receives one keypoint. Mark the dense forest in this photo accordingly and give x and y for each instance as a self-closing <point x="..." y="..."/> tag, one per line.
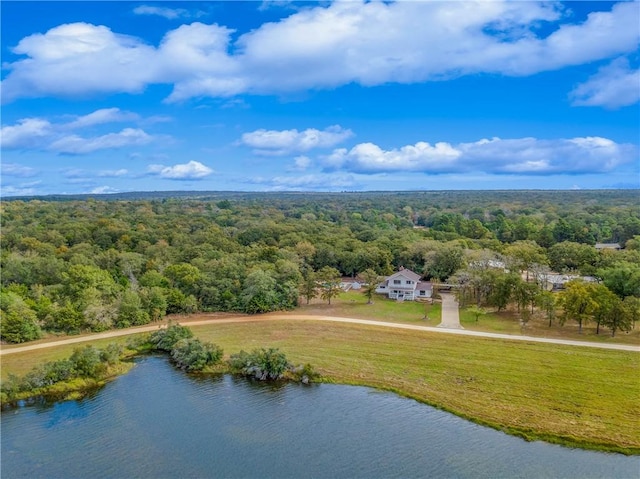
<point x="72" y="264"/>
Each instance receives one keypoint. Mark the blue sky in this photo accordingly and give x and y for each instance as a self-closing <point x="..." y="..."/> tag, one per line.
<point x="101" y="97"/>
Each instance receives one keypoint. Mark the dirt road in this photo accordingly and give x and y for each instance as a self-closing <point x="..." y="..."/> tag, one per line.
<point x="301" y="317"/>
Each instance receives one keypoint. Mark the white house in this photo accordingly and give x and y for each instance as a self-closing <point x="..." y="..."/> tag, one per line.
<point x="405" y="285"/>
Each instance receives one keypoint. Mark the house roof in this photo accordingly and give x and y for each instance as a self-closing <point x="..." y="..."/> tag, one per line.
<point x="407" y="273"/>
<point x="424" y="285"/>
<point x="608" y="246"/>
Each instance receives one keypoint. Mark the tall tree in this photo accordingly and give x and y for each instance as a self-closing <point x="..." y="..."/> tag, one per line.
<point x="370" y="280"/>
<point x="18" y="322"/>
<point x="309" y="284"/>
<point x="577" y="303"/>
<point x="329" y="279"/>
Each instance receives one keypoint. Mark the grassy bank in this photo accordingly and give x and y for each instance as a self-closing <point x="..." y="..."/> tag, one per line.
<point x="575" y="396"/>
<point x="75" y="388"/>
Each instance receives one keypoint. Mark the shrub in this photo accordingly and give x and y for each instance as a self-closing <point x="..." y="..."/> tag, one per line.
<point x="166" y="338"/>
<point x="87" y="362"/>
<point x="261" y="364"/>
<point x="194" y="355"/>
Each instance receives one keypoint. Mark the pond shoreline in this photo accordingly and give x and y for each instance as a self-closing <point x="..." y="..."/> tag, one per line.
<point x="79" y="389"/>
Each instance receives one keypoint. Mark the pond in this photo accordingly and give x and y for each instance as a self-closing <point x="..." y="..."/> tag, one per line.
<point x="157" y="422"/>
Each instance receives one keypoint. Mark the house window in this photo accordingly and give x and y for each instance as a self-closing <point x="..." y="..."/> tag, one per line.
<point x="409" y="282"/>
<point x="397" y="281"/>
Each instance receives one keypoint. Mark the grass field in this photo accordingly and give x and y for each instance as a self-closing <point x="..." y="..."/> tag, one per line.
<point x="353" y="304"/>
<point x="578" y="396"/>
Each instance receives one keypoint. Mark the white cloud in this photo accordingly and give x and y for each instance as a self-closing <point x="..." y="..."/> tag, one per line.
<point x="614" y="86"/>
<point x="113" y="173"/>
<point x="281" y="142"/>
<point x="194" y="170"/>
<point x="14" y="169"/>
<point x="41" y="134"/>
<point x="79" y="59"/>
<point x="25" y="133"/>
<point x="528" y="156"/>
<point x="323" y="47"/>
<point x="22" y="189"/>
<point x="370" y="158"/>
<point x="168" y="13"/>
<point x="76" y="145"/>
<point x="302" y="162"/>
<point x="98" y="117"/>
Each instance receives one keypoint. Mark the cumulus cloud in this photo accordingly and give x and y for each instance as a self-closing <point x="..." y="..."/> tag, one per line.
<point x="38" y="133"/>
<point x="14" y="169"/>
<point x="614" y="86"/>
<point x="368" y="43"/>
<point x="194" y="170"/>
<point x="106" y="62"/>
<point x="282" y="142"/>
<point x="529" y="156"/>
<point x="370" y="158"/>
<point x="25" y="133"/>
<point x="77" y="145"/>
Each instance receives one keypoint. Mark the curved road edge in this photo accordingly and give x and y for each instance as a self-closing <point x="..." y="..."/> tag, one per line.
<point x="303" y="317"/>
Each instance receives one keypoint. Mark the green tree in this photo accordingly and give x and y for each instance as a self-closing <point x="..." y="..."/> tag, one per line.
<point x="577" y="303"/>
<point x="522" y="255"/>
<point x="87" y="362"/>
<point x="165" y="338"/>
<point x="443" y="262"/>
<point x="502" y="292"/>
<point x="371" y="280"/>
<point x="620" y="316"/>
<point x="547" y="303"/>
<point x="259" y="293"/>
<point x="329" y="279"/>
<point x="309" y="284"/>
<point x="571" y="256"/>
<point x="477" y="312"/>
<point x="18" y="322"/>
<point x="606" y="303"/>
<point x="130" y="310"/>
<point x="622" y="278"/>
<point x="154" y="302"/>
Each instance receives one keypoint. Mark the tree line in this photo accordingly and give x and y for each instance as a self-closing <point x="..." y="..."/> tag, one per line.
<point x="93" y="265"/>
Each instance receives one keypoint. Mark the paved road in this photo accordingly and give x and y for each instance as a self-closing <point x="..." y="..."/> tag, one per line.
<point x="302" y="317"/>
<point x="450" y="312"/>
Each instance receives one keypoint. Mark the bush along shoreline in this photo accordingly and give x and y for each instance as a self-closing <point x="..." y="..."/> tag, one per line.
<point x="89" y="368"/>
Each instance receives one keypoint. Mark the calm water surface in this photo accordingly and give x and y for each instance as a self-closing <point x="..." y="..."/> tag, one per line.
<point x="156" y="422"/>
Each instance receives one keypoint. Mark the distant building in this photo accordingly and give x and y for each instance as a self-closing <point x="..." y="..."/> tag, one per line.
<point x="614" y="246"/>
<point x="405" y="285"/>
<point x="556" y="281"/>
